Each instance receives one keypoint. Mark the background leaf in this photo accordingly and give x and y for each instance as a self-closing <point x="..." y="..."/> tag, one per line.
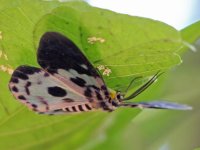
<point x="191" y="34"/>
<point x="141" y="47"/>
<point x="133" y="46"/>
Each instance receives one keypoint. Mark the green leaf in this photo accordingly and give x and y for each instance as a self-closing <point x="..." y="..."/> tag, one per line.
<point x="133" y="47"/>
<point x="172" y="129"/>
<point x="191" y="33"/>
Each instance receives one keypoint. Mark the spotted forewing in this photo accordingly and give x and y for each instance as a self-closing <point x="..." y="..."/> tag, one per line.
<point x="67" y="82"/>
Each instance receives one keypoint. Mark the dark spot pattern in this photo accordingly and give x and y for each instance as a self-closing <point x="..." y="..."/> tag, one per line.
<point x="106" y="93"/>
<point x="26" y="87"/>
<point x="20" y="75"/>
<point x="22" y="72"/>
<point x="88" y="107"/>
<point x="28" y="70"/>
<point x="34" y="105"/>
<point x="46" y="74"/>
<point x="94" y="87"/>
<point x="57" y="91"/>
<point x="103" y="87"/>
<point x="114" y="104"/>
<point x="78" y="81"/>
<point x="104" y="106"/>
<point x="105" y="90"/>
<point x="69" y="100"/>
<point x="14" y="80"/>
<point x="67" y="109"/>
<point x="99" y="97"/>
<point x="74" y="108"/>
<point x="21" y="97"/>
<point x="15" y="89"/>
<point x="88" y="92"/>
<point x="80" y="108"/>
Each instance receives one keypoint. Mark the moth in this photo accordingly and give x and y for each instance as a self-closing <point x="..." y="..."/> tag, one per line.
<point x="67" y="82"/>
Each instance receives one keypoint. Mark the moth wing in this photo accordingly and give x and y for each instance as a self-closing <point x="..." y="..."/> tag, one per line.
<point x="43" y="92"/>
<point x="63" y="59"/>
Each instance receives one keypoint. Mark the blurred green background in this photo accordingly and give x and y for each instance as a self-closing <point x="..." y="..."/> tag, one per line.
<point x="158" y="129"/>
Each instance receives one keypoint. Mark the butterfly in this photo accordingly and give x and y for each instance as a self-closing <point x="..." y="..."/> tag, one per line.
<point x="67" y="82"/>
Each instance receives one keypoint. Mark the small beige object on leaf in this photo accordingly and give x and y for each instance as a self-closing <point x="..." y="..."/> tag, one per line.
<point x="101" y="40"/>
<point x="107" y="72"/>
<point x="10" y="71"/>
<point x="3" y="68"/>
<point x="94" y="39"/>
<point x="101" y="67"/>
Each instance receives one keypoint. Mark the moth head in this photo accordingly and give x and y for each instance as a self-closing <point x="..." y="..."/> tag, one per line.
<point x="115" y="95"/>
<point x="119" y="96"/>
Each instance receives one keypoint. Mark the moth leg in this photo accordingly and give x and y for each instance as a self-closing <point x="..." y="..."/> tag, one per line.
<point x="130" y="84"/>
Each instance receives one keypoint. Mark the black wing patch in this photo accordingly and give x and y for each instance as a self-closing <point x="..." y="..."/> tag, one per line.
<point x="58" y="52"/>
